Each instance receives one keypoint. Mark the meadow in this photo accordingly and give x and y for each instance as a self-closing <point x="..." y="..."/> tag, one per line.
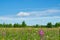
<point x="28" y="34"/>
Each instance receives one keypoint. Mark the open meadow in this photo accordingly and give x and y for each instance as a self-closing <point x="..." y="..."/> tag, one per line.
<point x="28" y="33"/>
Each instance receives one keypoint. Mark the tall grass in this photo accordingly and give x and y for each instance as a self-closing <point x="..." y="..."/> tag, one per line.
<point x="28" y="33"/>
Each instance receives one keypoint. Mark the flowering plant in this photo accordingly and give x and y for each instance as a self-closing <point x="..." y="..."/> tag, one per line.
<point x="41" y="32"/>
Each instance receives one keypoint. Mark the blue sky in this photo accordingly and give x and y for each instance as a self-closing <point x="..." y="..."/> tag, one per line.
<point x="31" y="11"/>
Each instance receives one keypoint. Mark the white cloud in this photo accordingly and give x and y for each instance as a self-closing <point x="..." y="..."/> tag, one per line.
<point x="34" y="15"/>
<point x="23" y="14"/>
<point x="40" y="13"/>
<point x="5" y="18"/>
<point x="45" y="12"/>
<point x="52" y="11"/>
<point x="31" y="18"/>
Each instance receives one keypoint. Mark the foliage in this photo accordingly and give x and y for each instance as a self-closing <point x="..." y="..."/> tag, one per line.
<point x="16" y="25"/>
<point x="57" y="24"/>
<point x="23" y="24"/>
<point x="49" y="25"/>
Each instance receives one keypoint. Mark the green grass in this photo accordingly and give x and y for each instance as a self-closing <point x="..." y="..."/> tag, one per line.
<point x="28" y="33"/>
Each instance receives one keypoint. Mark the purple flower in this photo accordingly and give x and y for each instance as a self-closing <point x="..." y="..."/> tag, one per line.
<point x="41" y="32"/>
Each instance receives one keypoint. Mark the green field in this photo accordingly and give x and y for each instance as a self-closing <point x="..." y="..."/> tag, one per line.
<point x="28" y="34"/>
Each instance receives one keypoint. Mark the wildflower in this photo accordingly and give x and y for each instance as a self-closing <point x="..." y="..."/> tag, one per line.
<point x="41" y="32"/>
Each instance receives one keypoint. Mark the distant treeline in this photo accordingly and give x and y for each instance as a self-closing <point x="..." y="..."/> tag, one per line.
<point x="16" y="25"/>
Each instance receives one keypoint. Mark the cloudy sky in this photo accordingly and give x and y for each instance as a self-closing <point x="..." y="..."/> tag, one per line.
<point x="31" y="11"/>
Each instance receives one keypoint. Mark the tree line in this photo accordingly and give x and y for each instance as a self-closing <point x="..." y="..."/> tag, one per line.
<point x="16" y="25"/>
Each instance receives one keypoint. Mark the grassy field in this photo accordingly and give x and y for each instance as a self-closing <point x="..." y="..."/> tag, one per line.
<point x="28" y="33"/>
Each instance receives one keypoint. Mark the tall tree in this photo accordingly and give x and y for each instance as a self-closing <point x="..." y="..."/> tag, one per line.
<point x="23" y="24"/>
<point x="37" y="25"/>
<point x="49" y="25"/>
<point x="10" y="25"/>
<point x="57" y="25"/>
<point x="1" y="25"/>
<point x="16" y="25"/>
<point x="4" y="25"/>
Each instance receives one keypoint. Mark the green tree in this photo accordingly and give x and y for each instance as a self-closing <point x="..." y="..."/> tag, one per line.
<point x="1" y="25"/>
<point x="37" y="25"/>
<point x="4" y="25"/>
<point x="16" y="25"/>
<point x="49" y="25"/>
<point x="10" y="25"/>
<point x="57" y="25"/>
<point x="23" y="24"/>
